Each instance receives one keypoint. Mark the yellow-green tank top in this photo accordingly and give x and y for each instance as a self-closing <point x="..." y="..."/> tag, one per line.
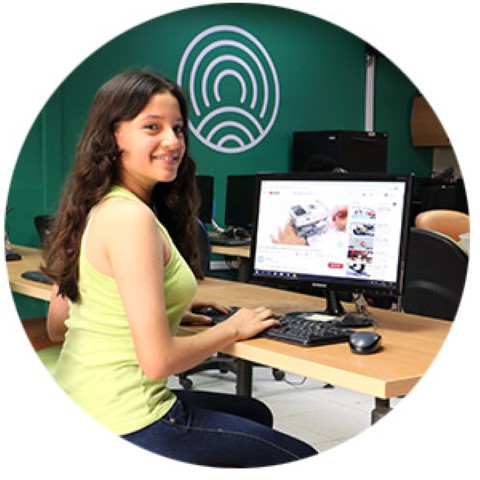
<point x="97" y="366"/>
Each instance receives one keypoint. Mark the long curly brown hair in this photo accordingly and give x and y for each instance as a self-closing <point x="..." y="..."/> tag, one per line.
<point x="96" y="170"/>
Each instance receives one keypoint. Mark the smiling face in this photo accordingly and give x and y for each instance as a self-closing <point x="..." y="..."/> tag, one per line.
<point x="152" y="145"/>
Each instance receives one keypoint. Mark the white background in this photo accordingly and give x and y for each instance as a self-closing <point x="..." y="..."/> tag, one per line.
<point x="432" y="432"/>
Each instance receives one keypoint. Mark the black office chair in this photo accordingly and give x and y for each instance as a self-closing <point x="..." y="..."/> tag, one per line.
<point x="435" y="275"/>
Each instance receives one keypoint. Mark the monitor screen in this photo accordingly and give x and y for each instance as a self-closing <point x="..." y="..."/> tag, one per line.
<point x="338" y="232"/>
<point x="205" y="190"/>
<point x="239" y="204"/>
<point x="328" y="150"/>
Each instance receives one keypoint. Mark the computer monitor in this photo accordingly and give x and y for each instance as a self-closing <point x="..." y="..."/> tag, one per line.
<point x="336" y="232"/>
<point x="327" y="150"/>
<point x="239" y="203"/>
<point x="205" y="189"/>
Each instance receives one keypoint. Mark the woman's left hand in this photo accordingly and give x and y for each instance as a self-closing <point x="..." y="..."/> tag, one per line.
<point x="193" y="316"/>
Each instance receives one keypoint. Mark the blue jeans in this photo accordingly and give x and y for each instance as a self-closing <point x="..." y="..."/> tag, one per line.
<point x="219" y="430"/>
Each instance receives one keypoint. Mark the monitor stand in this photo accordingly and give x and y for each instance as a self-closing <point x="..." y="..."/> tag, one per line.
<point x="334" y="310"/>
<point x="350" y="320"/>
<point x="334" y="305"/>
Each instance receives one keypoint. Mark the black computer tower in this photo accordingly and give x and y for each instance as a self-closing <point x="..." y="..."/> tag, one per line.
<point x="327" y="150"/>
<point x="449" y="195"/>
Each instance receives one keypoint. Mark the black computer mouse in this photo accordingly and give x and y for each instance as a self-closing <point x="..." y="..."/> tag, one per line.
<point x="365" y="342"/>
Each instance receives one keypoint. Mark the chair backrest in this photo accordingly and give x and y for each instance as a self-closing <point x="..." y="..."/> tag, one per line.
<point x="449" y="222"/>
<point x="435" y="274"/>
<point x="204" y="247"/>
<point x="42" y="225"/>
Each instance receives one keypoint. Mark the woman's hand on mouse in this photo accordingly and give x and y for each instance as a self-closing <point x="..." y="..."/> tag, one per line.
<point x="192" y="318"/>
<point x="250" y="322"/>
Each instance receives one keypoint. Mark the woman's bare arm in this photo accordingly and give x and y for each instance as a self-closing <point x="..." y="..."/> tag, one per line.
<point x="137" y="263"/>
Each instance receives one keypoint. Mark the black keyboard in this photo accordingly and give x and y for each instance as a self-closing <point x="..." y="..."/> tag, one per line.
<point x="223" y="240"/>
<point x="214" y="314"/>
<point x="300" y="331"/>
<point x="37" y="276"/>
<point x="11" y="255"/>
<point x="220" y="317"/>
<point x="307" y="333"/>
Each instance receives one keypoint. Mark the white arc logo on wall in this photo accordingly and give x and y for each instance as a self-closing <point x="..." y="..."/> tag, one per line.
<point x="233" y="88"/>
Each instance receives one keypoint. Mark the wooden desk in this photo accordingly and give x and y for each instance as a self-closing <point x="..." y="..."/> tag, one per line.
<point x="242" y="251"/>
<point x="30" y="261"/>
<point x="243" y="254"/>
<point x="410" y="342"/>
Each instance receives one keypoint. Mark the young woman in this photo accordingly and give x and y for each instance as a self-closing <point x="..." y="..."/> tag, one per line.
<point x="125" y="279"/>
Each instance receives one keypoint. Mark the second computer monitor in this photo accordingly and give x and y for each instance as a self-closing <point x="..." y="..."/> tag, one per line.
<point x="205" y="191"/>
<point x="328" y="150"/>
<point x="240" y="199"/>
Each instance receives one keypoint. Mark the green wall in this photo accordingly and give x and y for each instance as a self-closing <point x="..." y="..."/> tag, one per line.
<point x="321" y="71"/>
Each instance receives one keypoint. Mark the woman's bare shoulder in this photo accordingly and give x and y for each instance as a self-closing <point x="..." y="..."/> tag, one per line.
<point x="123" y="215"/>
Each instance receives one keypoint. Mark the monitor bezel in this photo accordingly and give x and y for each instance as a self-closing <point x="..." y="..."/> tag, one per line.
<point x="326" y="283"/>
